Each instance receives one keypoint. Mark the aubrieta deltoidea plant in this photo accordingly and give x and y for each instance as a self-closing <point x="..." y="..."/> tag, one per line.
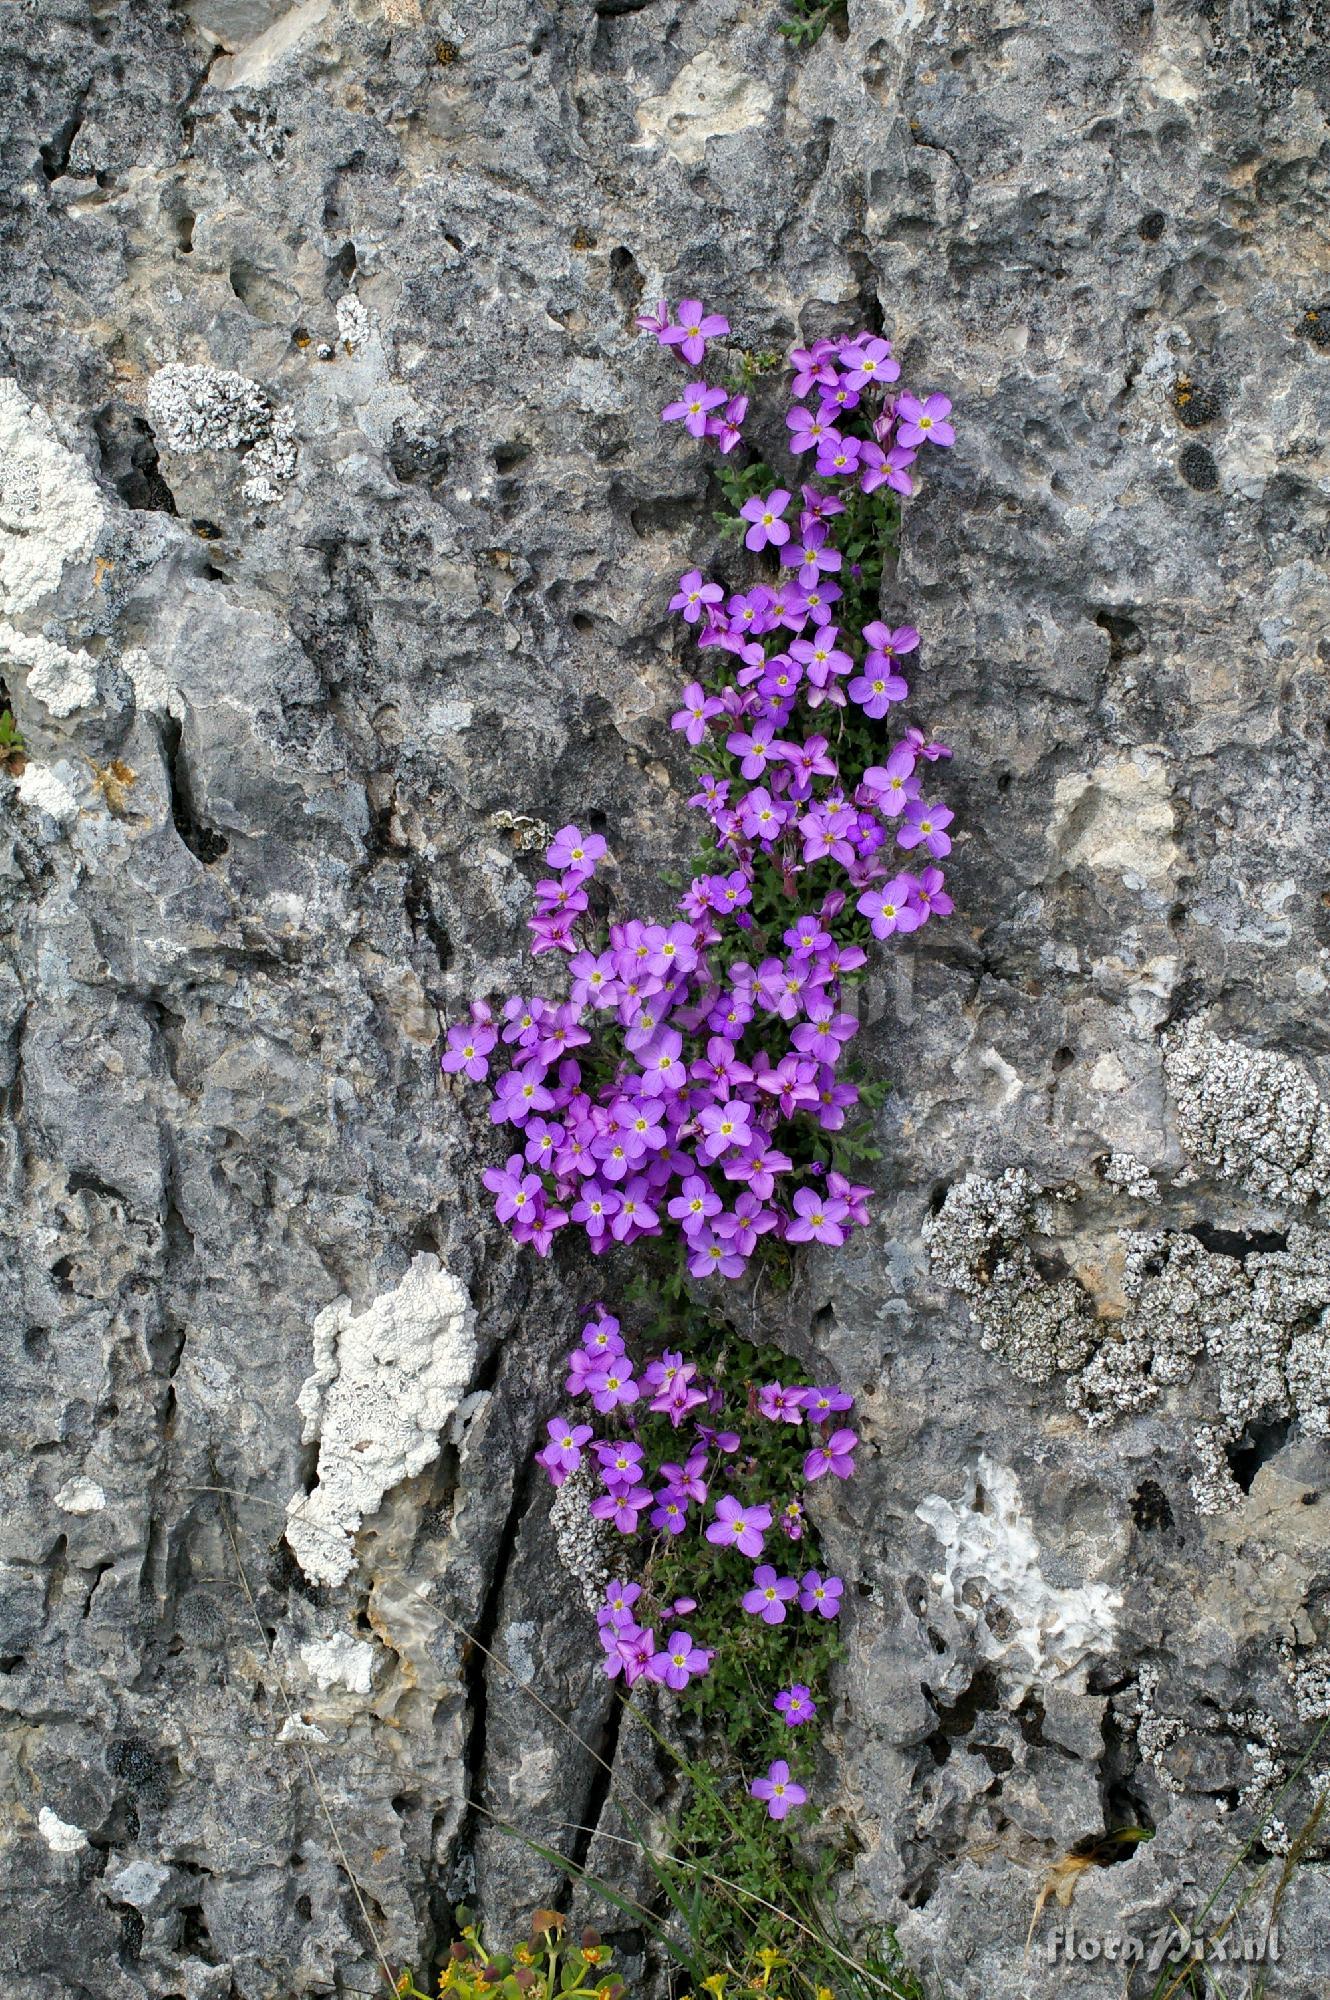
<point x="689" y="1092"/>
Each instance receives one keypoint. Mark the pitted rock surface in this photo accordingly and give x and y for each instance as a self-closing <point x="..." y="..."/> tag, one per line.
<point x="337" y="528"/>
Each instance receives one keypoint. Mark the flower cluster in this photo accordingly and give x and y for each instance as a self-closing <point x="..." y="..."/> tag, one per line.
<point x="675" y="1473"/>
<point x="686" y="1078"/>
<point x="683" y="1082"/>
<point x="685" y="1126"/>
<point x="863" y="428"/>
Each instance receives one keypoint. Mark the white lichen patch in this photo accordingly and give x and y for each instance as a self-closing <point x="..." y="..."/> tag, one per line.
<point x="59" y="1835"/>
<point x="199" y="408"/>
<point x="51" y="790"/>
<point x="1254" y="1331"/>
<point x="50" y="510"/>
<point x="1125" y="1172"/>
<point x="977" y="1243"/>
<point x="298" y="1729"/>
<point x="1251" y="1114"/>
<point x="1117" y="820"/>
<point x="994" y="1577"/>
<point x="339" y="1661"/>
<point x="61" y="681"/>
<point x="707" y="100"/>
<point x="385" y="1383"/>
<point x="581" y="1542"/>
<point x="81" y="1496"/>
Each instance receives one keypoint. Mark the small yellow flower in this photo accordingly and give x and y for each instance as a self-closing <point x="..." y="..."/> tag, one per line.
<point x="716" y="1984"/>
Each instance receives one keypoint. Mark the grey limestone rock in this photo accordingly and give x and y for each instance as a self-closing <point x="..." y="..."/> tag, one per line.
<point x="337" y="527"/>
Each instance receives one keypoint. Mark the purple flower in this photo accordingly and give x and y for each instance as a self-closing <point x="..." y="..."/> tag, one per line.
<point x="516" y="1192"/>
<point x="836" y="1455"/>
<point x="725" y="428"/>
<point x="796" y="1704"/>
<point x="595" y="1211"/>
<point x="886" y="468"/>
<point x="692" y="407"/>
<point x="687" y="1478"/>
<point x="661" y="1068"/>
<point x="696" y="326"/>
<point x="868" y="362"/>
<point x="567" y="1440"/>
<point x="875" y="693"/>
<point x="694" y="1204"/>
<point x="726" y="1127"/>
<point x="680" y="1662"/>
<point x="630" y="1651"/>
<point x="778" y="1790"/>
<point x="811" y="555"/>
<point x="820" y="1595"/>
<point x="575" y="851"/>
<point x="697" y="711"/>
<point x="671" y="1511"/>
<point x="769" y="1595"/>
<point x="694" y="595"/>
<point x="825" y="1032"/>
<point x="622" y="1506"/>
<point x="520" y="1093"/>
<point x="891" y="909"/>
<point x="923" y="423"/>
<point x="754" y="749"/>
<point x="838" y="458"/>
<point x="792" y="1520"/>
<point x="654" y="322"/>
<point x="593" y="979"/>
<point x="713" y="1256"/>
<point x="809" y="432"/>
<point x="818" y="1220"/>
<point x="618" y="1606"/>
<point x="887" y="645"/>
<point x="931" y="895"/>
<point x="741" y="1228"/>
<point x="468" y="1045"/>
<point x="740" y="1526"/>
<point x="924" y="824"/>
<point x="823" y="1403"/>
<point x="780" y="1405"/>
<point x="612" y="1383"/>
<point x="601" y="1335"/>
<point x="764" y="516"/>
<point x="812" y="367"/>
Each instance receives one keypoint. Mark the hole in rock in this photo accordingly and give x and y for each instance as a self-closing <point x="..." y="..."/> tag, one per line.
<point x="1255" y="1448"/>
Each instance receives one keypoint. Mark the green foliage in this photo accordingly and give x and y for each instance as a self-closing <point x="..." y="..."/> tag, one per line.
<point x="543" y="1968"/>
<point x="11" y="736"/>
<point x="750" y="364"/>
<point x="748" y="1890"/>
<point x="808" y="18"/>
<point x="739" y="483"/>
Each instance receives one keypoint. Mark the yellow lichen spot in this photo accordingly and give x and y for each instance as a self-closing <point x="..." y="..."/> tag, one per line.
<point x="101" y="567"/>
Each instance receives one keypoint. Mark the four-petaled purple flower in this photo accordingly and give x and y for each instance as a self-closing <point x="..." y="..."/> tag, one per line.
<point x="696" y="326"/>
<point x="769" y="1595"/>
<point x="741" y="1526"/>
<point x="778" y="1791"/>
<point x="836" y="1455"/>
<point x="692" y="407"/>
<point x="820" y="1594"/>
<point x="766" y="528"/>
<point x="680" y="1662"/>
<point x="923" y="423"/>
<point x="796" y="1704"/>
